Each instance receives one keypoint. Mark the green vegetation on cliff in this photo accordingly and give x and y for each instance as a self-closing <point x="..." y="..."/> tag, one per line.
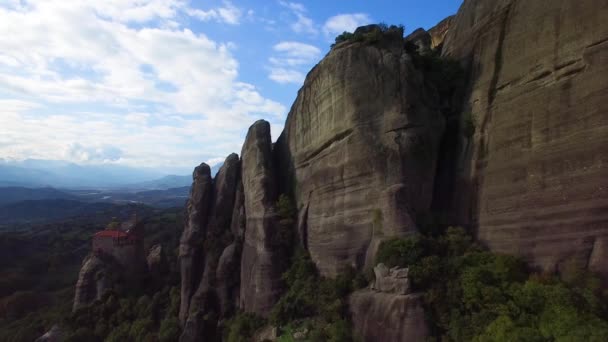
<point x="474" y="295"/>
<point x="371" y="34"/>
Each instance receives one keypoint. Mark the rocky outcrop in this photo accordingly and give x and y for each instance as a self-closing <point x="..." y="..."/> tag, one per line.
<point x="156" y="260"/>
<point x="378" y="316"/>
<point x="394" y="280"/>
<point x="199" y="207"/>
<point x="421" y="39"/>
<point x="98" y="274"/>
<point x="205" y="301"/>
<point x="533" y="179"/>
<point x="53" y="335"/>
<point x="260" y="263"/>
<point x="439" y="31"/>
<point x="359" y="152"/>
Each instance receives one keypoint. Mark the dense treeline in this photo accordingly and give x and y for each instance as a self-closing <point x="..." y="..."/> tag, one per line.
<point x="40" y="265"/>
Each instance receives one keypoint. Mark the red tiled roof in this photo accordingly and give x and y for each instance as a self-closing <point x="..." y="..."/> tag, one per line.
<point x="111" y="233"/>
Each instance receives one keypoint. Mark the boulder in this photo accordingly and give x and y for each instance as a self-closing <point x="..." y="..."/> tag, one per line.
<point x="266" y="334"/>
<point x="394" y="280"/>
<point x="360" y="141"/>
<point x="533" y="179"/>
<point x="198" y="207"/>
<point x="385" y="317"/>
<point x="260" y="271"/>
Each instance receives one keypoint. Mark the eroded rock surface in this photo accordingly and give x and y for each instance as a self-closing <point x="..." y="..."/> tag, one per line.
<point x="394" y="280"/>
<point x="156" y="259"/>
<point x="191" y="263"/>
<point x="359" y="152"/>
<point x="260" y="271"/>
<point x="534" y="177"/>
<point x="205" y="301"/>
<point x="388" y="317"/>
<point x="96" y="276"/>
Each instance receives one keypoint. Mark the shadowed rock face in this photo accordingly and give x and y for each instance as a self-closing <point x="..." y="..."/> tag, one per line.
<point x="191" y="263"/>
<point x="388" y="317"/>
<point x="95" y="278"/>
<point x="359" y="152"/>
<point x="205" y="300"/>
<point x="534" y="178"/>
<point x="260" y="274"/>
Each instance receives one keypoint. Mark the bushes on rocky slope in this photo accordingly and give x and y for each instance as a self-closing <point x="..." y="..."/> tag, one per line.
<point x="474" y="295"/>
<point x="371" y="34"/>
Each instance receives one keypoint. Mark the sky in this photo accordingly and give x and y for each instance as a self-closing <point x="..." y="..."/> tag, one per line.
<point x="165" y="84"/>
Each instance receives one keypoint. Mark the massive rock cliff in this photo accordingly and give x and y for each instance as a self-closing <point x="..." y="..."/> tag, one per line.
<point x="533" y="179"/>
<point x="213" y="274"/>
<point x="374" y="141"/>
<point x="359" y="152"/>
<point x="190" y="248"/>
<point x="261" y="261"/>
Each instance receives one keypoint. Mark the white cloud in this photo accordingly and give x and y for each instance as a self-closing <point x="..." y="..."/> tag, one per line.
<point x="301" y="23"/>
<point x="345" y="22"/>
<point x="153" y="89"/>
<point x="93" y="154"/>
<point x="283" y="76"/>
<point x="290" y="59"/>
<point x="228" y="14"/>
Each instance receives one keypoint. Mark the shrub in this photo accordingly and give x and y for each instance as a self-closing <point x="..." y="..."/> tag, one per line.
<point x="286" y="209"/>
<point x="243" y="326"/>
<point x="400" y="252"/>
<point x="169" y="330"/>
<point x="372" y="34"/>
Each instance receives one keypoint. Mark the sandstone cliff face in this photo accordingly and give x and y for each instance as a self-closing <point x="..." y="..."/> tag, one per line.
<point x="388" y="317"/>
<point x="205" y="301"/>
<point x="97" y="275"/>
<point x="534" y="177"/>
<point x="359" y="152"/>
<point x="260" y="271"/>
<point x="191" y="265"/>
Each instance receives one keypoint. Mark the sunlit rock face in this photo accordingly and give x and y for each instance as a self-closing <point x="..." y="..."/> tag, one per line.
<point x="534" y="177"/>
<point x="359" y="152"/>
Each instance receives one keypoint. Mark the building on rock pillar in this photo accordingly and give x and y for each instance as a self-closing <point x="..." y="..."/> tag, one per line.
<point x="122" y="241"/>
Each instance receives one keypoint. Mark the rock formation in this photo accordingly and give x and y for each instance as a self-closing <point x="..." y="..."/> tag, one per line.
<point x="533" y="179"/>
<point x="260" y="266"/>
<point x="387" y="317"/>
<point x="439" y="31"/>
<point x="359" y="152"/>
<point x="156" y="259"/>
<point x="97" y="274"/>
<point x="53" y="335"/>
<point x="199" y="206"/>
<point x="205" y="302"/>
<point x="394" y="280"/>
<point x="373" y="142"/>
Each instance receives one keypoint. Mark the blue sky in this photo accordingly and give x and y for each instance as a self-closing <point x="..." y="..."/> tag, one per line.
<point x="165" y="84"/>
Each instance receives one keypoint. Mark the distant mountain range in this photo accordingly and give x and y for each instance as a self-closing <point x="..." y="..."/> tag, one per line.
<point x="20" y="204"/>
<point x="17" y="194"/>
<point x="60" y="174"/>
